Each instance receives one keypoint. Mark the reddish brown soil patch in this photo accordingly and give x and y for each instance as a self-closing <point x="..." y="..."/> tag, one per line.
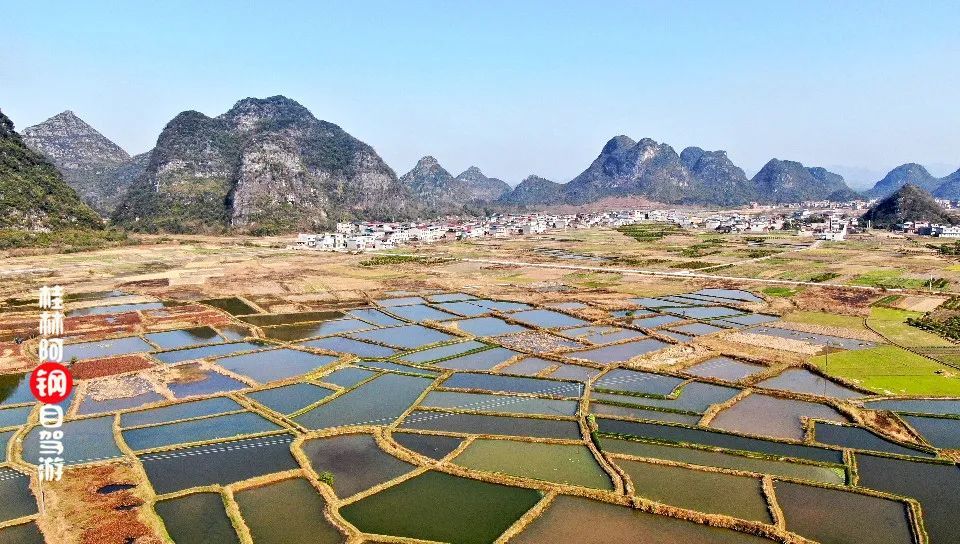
<point x="843" y="301"/>
<point x="187" y="315"/>
<point x="108" y="366"/>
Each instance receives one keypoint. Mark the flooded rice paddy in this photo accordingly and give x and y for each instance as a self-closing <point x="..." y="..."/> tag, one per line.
<point x="560" y="463"/>
<point x="711" y="492"/>
<point x="199" y="517"/>
<point x="727" y="460"/>
<point x="825" y="515"/>
<point x="302" y="519"/>
<point x="724" y="368"/>
<point x="397" y="421"/>
<point x="354" y="461"/>
<point x="443" y="508"/>
<point x="772" y="416"/>
<point x="578" y="519"/>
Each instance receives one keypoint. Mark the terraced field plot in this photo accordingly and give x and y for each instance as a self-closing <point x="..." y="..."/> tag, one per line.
<point x="398" y="421"/>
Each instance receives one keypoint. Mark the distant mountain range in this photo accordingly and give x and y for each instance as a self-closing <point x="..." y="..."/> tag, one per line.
<point x="911" y="173"/>
<point x="268" y="165"/>
<point x="437" y="191"/>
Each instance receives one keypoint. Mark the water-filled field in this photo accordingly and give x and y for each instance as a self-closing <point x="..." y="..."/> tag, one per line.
<point x="461" y="418"/>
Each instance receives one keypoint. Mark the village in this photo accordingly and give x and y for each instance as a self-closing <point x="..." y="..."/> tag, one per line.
<point x="822" y="220"/>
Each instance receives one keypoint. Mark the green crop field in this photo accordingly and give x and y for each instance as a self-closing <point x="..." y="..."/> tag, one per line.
<point x="892" y="370"/>
<point x="891" y="323"/>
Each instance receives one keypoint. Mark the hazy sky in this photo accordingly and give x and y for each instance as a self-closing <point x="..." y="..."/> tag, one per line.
<point x="515" y="87"/>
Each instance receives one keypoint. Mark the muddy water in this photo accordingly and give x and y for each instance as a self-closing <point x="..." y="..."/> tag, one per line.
<point x="771" y="416"/>
<point x="200" y="518"/>
<point x="801" y="380"/>
<point x="619" y="352"/>
<point x="184" y="337"/>
<point x="355" y="461"/>
<point x="444" y="508"/>
<point x="679" y="434"/>
<point x="486" y="424"/>
<point x="584" y="521"/>
<point x="17" y="501"/>
<point x="833" y="516"/>
<point x="221" y="463"/>
<point x="710" y="492"/>
<point x="559" y="463"/>
<point x="432" y="446"/>
<point x="724" y="460"/>
<point x="232" y="305"/>
<point x="302" y="520"/>
<point x="861" y="439"/>
<point x="724" y="368"/>
<point x="934" y="485"/>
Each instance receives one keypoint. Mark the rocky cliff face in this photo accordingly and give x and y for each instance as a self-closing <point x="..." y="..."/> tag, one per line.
<point x="534" y="190"/>
<point x="90" y="163"/>
<point x="625" y="167"/>
<point x="267" y="165"/>
<point x="911" y="173"/>
<point x="789" y="181"/>
<point x="33" y="194"/>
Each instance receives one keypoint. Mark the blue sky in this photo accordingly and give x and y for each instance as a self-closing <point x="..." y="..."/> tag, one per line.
<point x="515" y="87"/>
